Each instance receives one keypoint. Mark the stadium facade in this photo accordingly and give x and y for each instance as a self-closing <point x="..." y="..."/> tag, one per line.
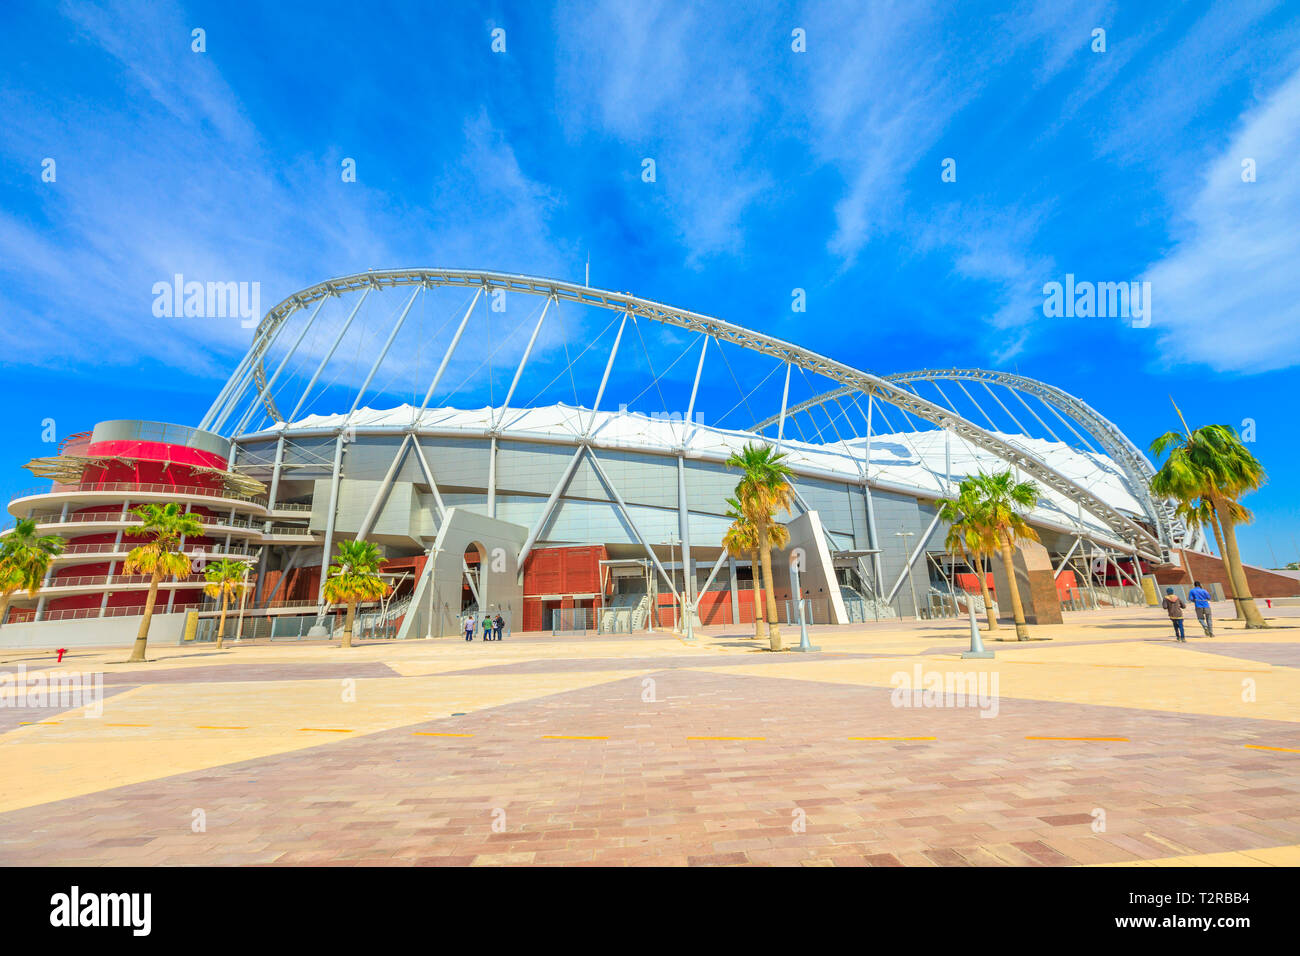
<point x="590" y="512"/>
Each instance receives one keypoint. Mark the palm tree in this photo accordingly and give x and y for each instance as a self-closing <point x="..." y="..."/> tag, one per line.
<point x="354" y="576"/>
<point x="970" y="536"/>
<point x="226" y="581"/>
<point x="161" y="557"/>
<point x="999" y="500"/>
<point x="1212" y="464"/>
<point x="764" y="489"/>
<point x="741" y="541"/>
<point x="24" y="559"/>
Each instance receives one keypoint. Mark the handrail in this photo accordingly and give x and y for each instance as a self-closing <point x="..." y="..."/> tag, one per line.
<point x="20" y="615"/>
<point x="54" y="517"/>
<point x="117" y="580"/>
<point x="143" y="487"/>
<point x="110" y="547"/>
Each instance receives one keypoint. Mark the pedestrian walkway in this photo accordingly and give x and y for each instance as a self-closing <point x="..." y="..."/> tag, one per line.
<point x="1109" y="744"/>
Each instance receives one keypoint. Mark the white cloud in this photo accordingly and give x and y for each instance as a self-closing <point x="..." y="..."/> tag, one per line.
<point x="1228" y="293"/>
<point x="887" y="81"/>
<point x="657" y="77"/>
<point x="174" y="178"/>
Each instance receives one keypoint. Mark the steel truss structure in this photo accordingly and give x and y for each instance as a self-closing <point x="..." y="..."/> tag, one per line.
<point x="251" y="375"/>
<point x="1068" y="408"/>
<point x="547" y="475"/>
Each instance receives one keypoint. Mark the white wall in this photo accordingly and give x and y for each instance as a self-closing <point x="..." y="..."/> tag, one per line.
<point x="90" y="632"/>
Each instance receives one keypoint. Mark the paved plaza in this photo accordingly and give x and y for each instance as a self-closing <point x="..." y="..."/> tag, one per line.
<point x="1108" y="744"/>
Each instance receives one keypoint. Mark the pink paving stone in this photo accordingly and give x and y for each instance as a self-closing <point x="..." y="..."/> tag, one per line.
<point x="660" y="797"/>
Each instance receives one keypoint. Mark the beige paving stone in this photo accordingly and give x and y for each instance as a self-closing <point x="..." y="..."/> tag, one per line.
<point x="308" y="778"/>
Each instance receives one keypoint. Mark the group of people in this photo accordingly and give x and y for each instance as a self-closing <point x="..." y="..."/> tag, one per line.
<point x="492" y="627"/>
<point x="1174" y="605"/>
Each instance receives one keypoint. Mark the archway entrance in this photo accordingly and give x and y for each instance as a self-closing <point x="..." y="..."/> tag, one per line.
<point x="473" y="582"/>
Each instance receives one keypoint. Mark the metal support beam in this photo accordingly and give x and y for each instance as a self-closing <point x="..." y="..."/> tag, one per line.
<point x="1137" y="567"/>
<point x="220" y="421"/>
<point x="604" y="379"/>
<point x="284" y="574"/>
<point x="532" y="339"/>
<point x="684" y="529"/>
<point x="907" y="568"/>
<point x="329" y="518"/>
<point x="785" y="401"/>
<point x="947" y="460"/>
<point x="275" y="475"/>
<point x="266" y="525"/>
<point x="492" y="478"/>
<point x="873" y="542"/>
<point x="381" y="495"/>
<point x="802" y="502"/>
<point x="244" y="372"/>
<point x="224" y="395"/>
<point x="978" y="406"/>
<point x="735" y="597"/>
<point x="1020" y="398"/>
<point x="428" y="476"/>
<point x="446" y="357"/>
<point x="1019" y="427"/>
<point x="328" y="355"/>
<point x="717" y="566"/>
<point x="627" y="516"/>
<point x="688" y="430"/>
<point x="103" y="601"/>
<point x="384" y="351"/>
<point x="549" y="507"/>
<point x="845" y="375"/>
<point x="1120" y="571"/>
<point x="1066" y="560"/>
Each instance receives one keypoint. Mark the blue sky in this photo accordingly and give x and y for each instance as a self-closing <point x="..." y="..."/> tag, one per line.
<point x="775" y="170"/>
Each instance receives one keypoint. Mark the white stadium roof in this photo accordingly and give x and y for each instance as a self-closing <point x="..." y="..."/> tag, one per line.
<point x="912" y="462"/>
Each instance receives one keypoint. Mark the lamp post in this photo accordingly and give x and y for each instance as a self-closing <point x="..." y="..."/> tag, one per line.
<point x="916" y="611"/>
<point x="672" y="543"/>
<point x="684" y="612"/>
<point x="797" y="591"/>
<point x="977" y="649"/>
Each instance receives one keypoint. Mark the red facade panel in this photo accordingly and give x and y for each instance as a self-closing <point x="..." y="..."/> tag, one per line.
<point x="563" y="570"/>
<point x="715" y="607"/>
<point x="532" y="616"/>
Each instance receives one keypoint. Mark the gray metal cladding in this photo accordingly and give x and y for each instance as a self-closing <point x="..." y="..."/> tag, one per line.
<point x="458" y="462"/>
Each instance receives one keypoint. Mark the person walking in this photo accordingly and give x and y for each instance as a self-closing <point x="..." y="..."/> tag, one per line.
<point x="1174" y="605"/>
<point x="1201" y="600"/>
<point x="468" y="624"/>
<point x="498" y="625"/>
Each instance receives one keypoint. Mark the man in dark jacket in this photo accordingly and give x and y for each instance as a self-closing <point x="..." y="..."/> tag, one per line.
<point x="1174" y="605"/>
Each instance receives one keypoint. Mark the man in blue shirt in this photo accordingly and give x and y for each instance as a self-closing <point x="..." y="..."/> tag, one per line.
<point x="1201" y="598"/>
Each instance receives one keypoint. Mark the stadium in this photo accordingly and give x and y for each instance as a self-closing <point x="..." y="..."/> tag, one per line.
<point x="556" y="453"/>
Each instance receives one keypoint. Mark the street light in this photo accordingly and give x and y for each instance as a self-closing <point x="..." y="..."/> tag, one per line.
<point x="908" y="569"/>
<point x="672" y="542"/>
<point x="804" y="644"/>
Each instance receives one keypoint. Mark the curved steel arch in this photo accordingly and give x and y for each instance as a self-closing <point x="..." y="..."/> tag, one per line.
<point x="1112" y="439"/>
<point x="854" y="379"/>
<point x="1135" y="465"/>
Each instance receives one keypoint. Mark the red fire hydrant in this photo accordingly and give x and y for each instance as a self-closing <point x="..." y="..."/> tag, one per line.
<point x="62" y="651"/>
